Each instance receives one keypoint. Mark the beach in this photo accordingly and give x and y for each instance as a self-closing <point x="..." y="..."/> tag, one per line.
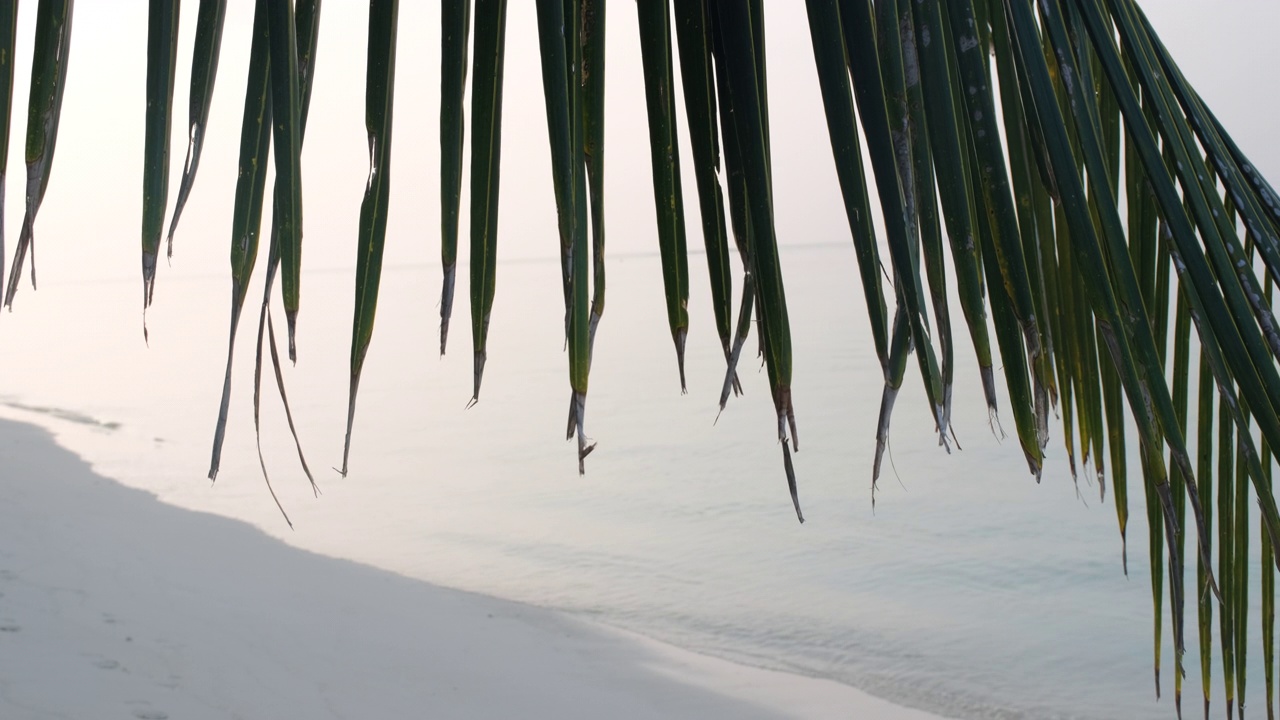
<point x="115" y="605"/>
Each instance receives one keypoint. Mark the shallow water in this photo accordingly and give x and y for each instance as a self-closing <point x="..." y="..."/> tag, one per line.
<point x="969" y="589"/>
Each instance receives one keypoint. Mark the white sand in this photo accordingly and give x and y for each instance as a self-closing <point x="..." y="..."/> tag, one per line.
<point x="114" y="605"/>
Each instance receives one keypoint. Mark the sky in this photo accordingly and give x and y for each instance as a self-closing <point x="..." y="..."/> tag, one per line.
<point x="89" y="227"/>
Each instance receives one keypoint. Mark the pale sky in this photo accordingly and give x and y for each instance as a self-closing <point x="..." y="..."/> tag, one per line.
<point x="89" y="226"/>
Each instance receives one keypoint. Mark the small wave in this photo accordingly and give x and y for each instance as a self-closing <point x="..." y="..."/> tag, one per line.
<point x="63" y="414"/>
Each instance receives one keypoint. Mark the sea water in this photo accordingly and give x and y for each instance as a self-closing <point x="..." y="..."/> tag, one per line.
<point x="967" y="588"/>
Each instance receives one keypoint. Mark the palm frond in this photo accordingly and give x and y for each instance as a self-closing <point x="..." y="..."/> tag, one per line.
<point x="1095" y="211"/>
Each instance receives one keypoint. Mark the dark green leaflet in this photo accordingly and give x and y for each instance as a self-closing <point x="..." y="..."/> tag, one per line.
<point x="1141" y="371"/>
<point x="162" y="56"/>
<point x="8" y="37"/>
<point x="655" y="52"/>
<point x="455" y="27"/>
<point x="1204" y="466"/>
<point x="1226" y="553"/>
<point x="874" y="87"/>
<point x="204" y="71"/>
<point x="579" y="325"/>
<point x="736" y="192"/>
<point x="307" y="25"/>
<point x="1001" y="213"/>
<point x="833" y="75"/>
<point x="246" y="223"/>
<point x="691" y="22"/>
<point x="44" y="110"/>
<point x="256" y="132"/>
<point x="286" y="110"/>
<point x="930" y="226"/>
<point x="593" y="68"/>
<point x="378" y="111"/>
<point x="954" y="179"/>
<point x="739" y="35"/>
<point x="900" y="74"/>
<point x="1207" y="305"/>
<point x="1181" y="392"/>
<point x="559" y="32"/>
<point x="486" y="151"/>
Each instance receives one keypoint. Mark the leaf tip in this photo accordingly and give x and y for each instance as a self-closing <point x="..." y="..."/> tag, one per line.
<point x="480" y="358"/>
<point x="790" y="470"/>
<point x="680" y="335"/>
<point x="291" y="319"/>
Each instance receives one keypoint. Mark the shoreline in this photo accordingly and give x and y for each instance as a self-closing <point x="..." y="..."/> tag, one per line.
<point x="113" y="598"/>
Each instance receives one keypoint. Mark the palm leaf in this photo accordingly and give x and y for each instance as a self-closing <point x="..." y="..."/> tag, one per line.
<point x="831" y="58"/>
<point x="1204" y="452"/>
<point x="162" y="55"/>
<point x="739" y="34"/>
<point x="306" y="27"/>
<point x="256" y="132"/>
<point x="1029" y="130"/>
<point x="486" y="152"/>
<point x="593" y="69"/>
<point x="379" y="105"/>
<point x="1209" y="309"/>
<point x="691" y="22"/>
<point x="44" y="111"/>
<point x="1001" y="215"/>
<point x="562" y="81"/>
<point x="255" y="143"/>
<point x="8" y="39"/>
<point x="668" y="199"/>
<point x="204" y="72"/>
<point x="455" y="25"/>
<point x="874" y="87"/>
<point x="946" y="129"/>
<point x="286" y="105"/>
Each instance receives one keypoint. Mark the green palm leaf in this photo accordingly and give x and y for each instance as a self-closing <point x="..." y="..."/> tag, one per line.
<point x="1023" y="129"/>
<point x="593" y="69"/>
<point x="486" y="152"/>
<point x="8" y="39"/>
<point x="830" y="56"/>
<point x="286" y="107"/>
<point x="946" y="124"/>
<point x="668" y="198"/>
<point x="700" y="106"/>
<point x="44" y="111"/>
<point x="246" y="224"/>
<point x="455" y="25"/>
<point x="559" y="31"/>
<point x="379" y="105"/>
<point x="739" y="35"/>
<point x="204" y="72"/>
<point x="256" y="132"/>
<point x="162" y="54"/>
<point x="306" y="25"/>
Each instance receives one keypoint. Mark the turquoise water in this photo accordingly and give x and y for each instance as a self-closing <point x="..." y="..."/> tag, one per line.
<point x="970" y="590"/>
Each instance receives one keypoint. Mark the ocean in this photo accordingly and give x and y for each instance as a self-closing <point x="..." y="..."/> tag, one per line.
<point x="968" y="589"/>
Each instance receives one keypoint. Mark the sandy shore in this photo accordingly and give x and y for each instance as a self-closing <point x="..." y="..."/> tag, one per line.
<point x="114" y="605"/>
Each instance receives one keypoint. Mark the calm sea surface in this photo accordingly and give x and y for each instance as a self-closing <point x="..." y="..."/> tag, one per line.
<point x="969" y="590"/>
